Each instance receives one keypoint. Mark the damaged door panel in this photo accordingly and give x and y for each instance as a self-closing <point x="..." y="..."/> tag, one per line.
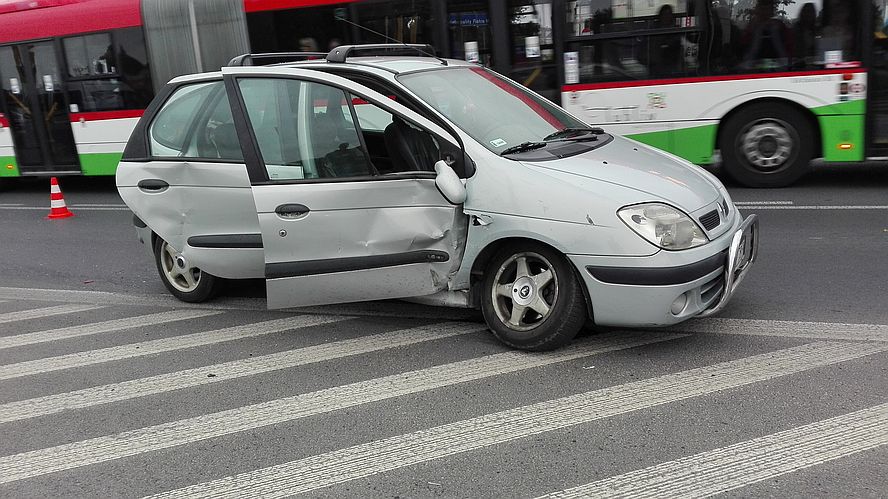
<point x="357" y="241"/>
<point x="200" y="199"/>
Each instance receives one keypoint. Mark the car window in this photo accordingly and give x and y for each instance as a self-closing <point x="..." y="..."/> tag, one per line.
<point x="215" y="136"/>
<point x="169" y="130"/>
<point x="304" y="130"/>
<point x="371" y="117"/>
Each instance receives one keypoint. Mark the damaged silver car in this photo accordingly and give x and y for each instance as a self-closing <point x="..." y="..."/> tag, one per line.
<point x="383" y="172"/>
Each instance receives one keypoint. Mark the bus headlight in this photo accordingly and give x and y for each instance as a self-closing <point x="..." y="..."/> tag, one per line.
<point x="664" y="226"/>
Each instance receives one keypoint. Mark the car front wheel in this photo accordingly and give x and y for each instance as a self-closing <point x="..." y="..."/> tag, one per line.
<point x="185" y="282"/>
<point x="532" y="299"/>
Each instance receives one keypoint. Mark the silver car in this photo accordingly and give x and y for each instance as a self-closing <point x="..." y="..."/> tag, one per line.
<point x="372" y="174"/>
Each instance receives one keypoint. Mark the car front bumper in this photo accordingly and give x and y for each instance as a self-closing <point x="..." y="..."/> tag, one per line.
<point x="643" y="292"/>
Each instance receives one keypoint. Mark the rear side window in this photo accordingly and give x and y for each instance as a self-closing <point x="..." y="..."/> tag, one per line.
<point x="171" y="131"/>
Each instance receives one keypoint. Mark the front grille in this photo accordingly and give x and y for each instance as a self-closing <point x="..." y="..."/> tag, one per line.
<point x="710" y="220"/>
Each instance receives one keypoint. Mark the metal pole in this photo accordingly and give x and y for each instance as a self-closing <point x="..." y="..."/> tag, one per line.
<point x="195" y="41"/>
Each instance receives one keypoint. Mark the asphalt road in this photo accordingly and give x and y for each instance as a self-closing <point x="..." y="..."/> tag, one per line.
<point x="109" y="387"/>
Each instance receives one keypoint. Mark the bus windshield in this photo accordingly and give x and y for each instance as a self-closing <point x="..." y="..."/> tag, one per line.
<point x="492" y="110"/>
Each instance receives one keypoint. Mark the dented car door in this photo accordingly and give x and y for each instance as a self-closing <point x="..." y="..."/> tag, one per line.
<point x="333" y="228"/>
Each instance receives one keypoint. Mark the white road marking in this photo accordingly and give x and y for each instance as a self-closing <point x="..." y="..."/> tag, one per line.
<point x="110" y="326"/>
<point x="39" y="313"/>
<point x="81" y="359"/>
<point x="757" y="203"/>
<point x="176" y="433"/>
<point x="790" y="329"/>
<point x="324" y="470"/>
<point x="41" y="208"/>
<point x="818" y="207"/>
<point x="369" y="309"/>
<point x="745" y="463"/>
<point x="161" y="383"/>
<point x="111" y="298"/>
<point x="100" y="205"/>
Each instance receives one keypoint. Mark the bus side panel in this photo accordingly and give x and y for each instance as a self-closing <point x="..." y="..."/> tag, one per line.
<point x="101" y="138"/>
<point x="8" y="165"/>
<point x="682" y="116"/>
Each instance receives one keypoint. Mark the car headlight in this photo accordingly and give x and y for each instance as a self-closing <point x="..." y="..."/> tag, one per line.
<point x="663" y="225"/>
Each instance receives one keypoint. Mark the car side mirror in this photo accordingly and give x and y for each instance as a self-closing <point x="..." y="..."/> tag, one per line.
<point x="449" y="183"/>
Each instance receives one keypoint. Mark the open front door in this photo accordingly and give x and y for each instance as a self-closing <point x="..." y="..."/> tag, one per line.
<point x="334" y="228"/>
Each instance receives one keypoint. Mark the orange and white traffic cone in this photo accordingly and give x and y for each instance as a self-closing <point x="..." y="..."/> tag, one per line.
<point x="57" y="207"/>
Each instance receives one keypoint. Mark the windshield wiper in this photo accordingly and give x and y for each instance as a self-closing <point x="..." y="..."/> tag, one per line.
<point x="524" y="146"/>
<point x="579" y="134"/>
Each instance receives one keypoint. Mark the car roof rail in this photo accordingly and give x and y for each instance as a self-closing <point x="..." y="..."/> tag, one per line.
<point x="247" y="59"/>
<point x="343" y="52"/>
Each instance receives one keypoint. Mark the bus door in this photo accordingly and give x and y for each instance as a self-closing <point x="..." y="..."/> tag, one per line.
<point x="36" y="109"/>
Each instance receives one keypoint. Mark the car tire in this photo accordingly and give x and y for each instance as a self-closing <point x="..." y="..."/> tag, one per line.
<point x="767" y="145"/>
<point x="535" y="305"/>
<point x="200" y="287"/>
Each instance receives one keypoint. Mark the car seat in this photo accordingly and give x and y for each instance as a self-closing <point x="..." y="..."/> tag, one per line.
<point x="411" y="149"/>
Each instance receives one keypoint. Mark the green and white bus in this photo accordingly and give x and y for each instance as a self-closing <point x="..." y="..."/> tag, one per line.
<point x="764" y="85"/>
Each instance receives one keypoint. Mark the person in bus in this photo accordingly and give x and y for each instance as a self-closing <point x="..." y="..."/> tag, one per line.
<point x="837" y="33"/>
<point x="765" y="39"/>
<point x="666" y="50"/>
<point x="804" y="34"/>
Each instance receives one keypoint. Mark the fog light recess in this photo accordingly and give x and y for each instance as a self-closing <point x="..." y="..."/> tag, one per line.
<point x="679" y="304"/>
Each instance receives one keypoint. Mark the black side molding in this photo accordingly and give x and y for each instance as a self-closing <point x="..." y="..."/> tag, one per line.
<point x="329" y="266"/>
<point x="226" y="241"/>
<point x="658" y="276"/>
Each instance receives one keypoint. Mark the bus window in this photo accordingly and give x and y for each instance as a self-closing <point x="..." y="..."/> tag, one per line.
<point x="533" y="50"/>
<point x="89" y="55"/>
<point x="664" y="40"/>
<point x="772" y="35"/>
<point x="107" y="71"/>
<point x="468" y="22"/>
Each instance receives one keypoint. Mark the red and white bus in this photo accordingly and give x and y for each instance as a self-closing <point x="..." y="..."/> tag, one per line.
<point x="763" y="85"/>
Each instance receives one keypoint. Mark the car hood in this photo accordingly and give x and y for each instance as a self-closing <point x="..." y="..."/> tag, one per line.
<point x="658" y="175"/>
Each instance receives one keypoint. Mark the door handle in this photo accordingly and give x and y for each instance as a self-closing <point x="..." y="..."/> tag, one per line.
<point x="153" y="185"/>
<point x="290" y="211"/>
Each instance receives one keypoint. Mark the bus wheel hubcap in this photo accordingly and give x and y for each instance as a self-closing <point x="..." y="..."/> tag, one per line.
<point x="767" y="144"/>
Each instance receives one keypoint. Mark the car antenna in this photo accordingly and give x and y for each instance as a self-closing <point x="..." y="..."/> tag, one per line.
<point x="340" y="18"/>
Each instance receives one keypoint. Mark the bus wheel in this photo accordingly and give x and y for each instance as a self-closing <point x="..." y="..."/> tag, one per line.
<point x="532" y="298"/>
<point x="185" y="282"/>
<point x="767" y="145"/>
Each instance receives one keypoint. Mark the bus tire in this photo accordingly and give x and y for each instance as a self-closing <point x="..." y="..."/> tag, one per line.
<point x="186" y="283"/>
<point x="767" y="145"/>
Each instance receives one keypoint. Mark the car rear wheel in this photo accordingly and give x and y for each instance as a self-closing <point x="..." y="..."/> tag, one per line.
<point x="767" y="145"/>
<point x="185" y="282"/>
<point x="532" y="298"/>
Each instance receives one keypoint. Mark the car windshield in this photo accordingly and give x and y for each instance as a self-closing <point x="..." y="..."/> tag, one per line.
<point x="494" y="111"/>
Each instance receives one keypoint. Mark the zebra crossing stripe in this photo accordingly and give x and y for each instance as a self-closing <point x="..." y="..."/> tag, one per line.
<point x="745" y="463"/>
<point x="87" y="358"/>
<point x="39" y="313"/>
<point x="102" y="327"/>
<point x="324" y="470"/>
<point x="808" y="330"/>
<point x="161" y="383"/>
<point x="176" y="433"/>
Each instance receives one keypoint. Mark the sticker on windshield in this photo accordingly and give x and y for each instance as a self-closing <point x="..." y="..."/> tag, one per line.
<point x="498" y="142"/>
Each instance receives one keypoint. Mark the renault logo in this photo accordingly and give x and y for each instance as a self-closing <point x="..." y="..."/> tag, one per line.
<point x="524" y="292"/>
